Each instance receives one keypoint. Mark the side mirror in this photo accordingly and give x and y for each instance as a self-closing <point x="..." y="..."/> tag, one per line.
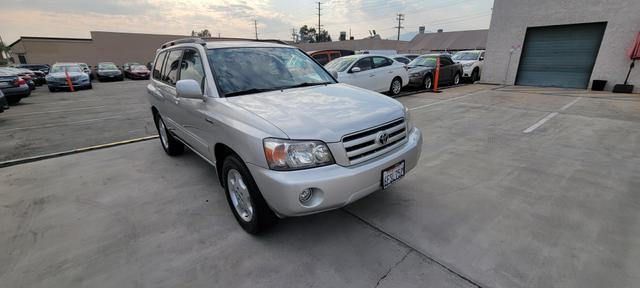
<point x="188" y="88"/>
<point x="334" y="74"/>
<point x="481" y="58"/>
<point x="355" y="70"/>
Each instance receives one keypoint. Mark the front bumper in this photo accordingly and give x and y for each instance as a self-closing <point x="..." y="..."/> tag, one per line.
<point x="466" y="71"/>
<point x="76" y="83"/>
<point x="338" y="185"/>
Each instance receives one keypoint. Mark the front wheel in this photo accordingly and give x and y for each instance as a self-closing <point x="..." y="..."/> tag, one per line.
<point x="428" y="82"/>
<point x="244" y="198"/>
<point x="396" y="86"/>
<point x="170" y="144"/>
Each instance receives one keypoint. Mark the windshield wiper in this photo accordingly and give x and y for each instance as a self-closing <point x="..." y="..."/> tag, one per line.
<point x="248" y="91"/>
<point x="305" y="84"/>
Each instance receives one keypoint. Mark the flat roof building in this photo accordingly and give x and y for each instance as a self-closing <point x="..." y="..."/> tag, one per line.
<point x="103" y="46"/>
<point x="561" y="43"/>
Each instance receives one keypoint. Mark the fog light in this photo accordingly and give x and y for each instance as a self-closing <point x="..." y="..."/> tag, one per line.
<point x="305" y="195"/>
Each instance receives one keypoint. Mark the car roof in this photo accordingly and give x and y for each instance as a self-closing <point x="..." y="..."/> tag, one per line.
<point x="66" y="64"/>
<point x="471" y="51"/>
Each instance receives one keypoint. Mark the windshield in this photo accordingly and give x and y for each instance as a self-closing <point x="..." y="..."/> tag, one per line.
<point x="58" y="69"/>
<point x="138" y="67"/>
<point x="466" y="56"/>
<point x="340" y="64"/>
<point x="241" y="71"/>
<point x="428" y="61"/>
<point x="107" y="66"/>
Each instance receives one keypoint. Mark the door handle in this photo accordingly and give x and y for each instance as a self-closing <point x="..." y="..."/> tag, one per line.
<point x="209" y="120"/>
<point x="372" y="75"/>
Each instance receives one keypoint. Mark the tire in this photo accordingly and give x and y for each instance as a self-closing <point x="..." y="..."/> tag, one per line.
<point x="171" y="145"/>
<point x="456" y="79"/>
<point x="475" y="76"/>
<point x="427" y="83"/>
<point x="14" y="100"/>
<point x="255" y="216"/>
<point x="51" y="89"/>
<point x="396" y="86"/>
<point x="90" y="86"/>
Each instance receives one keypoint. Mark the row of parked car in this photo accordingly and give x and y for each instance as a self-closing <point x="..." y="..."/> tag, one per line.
<point x="80" y="74"/>
<point x="382" y="71"/>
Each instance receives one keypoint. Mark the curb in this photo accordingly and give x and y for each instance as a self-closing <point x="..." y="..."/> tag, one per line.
<point x="14" y="162"/>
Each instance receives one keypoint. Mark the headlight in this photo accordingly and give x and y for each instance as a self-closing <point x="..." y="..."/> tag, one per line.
<point x="292" y="155"/>
<point x="407" y="119"/>
<point x="467" y="65"/>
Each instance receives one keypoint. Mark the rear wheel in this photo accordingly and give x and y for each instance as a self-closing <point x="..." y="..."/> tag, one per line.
<point x="244" y="198"/>
<point x="170" y="144"/>
<point x="456" y="79"/>
<point x="14" y="100"/>
<point x="396" y="86"/>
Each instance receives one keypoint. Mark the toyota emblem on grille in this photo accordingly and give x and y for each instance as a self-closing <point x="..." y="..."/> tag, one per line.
<point x="382" y="137"/>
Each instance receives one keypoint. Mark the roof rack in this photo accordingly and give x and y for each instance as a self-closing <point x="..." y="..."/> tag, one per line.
<point x="182" y="41"/>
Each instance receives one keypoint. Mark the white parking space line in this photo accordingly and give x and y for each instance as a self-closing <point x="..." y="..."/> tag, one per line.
<point x="58" y="111"/>
<point x="549" y="117"/>
<point x="60" y="124"/>
<point x="439" y="102"/>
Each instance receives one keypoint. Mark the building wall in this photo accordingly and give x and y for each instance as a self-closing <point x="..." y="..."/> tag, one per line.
<point x="362" y="44"/>
<point x="511" y="18"/>
<point x="102" y="47"/>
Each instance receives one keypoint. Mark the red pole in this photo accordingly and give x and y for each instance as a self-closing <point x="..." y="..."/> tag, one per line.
<point x="437" y="78"/>
<point x="69" y="81"/>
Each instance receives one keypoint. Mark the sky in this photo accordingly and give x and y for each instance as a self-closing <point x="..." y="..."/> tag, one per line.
<point x="275" y="18"/>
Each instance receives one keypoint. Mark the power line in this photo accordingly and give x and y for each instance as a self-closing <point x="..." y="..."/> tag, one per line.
<point x="400" y="18"/>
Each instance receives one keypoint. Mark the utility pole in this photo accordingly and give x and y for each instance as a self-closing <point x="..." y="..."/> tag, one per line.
<point x="294" y="35"/>
<point x="255" y="26"/>
<point x="400" y="18"/>
<point x="319" y="26"/>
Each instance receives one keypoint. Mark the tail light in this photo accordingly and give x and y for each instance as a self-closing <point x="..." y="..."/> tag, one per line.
<point x="20" y="81"/>
<point x="26" y="77"/>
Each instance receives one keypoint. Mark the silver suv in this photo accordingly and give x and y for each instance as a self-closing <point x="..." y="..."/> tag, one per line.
<point x="284" y="137"/>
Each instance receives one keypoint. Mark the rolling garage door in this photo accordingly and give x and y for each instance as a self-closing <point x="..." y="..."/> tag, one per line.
<point x="560" y="56"/>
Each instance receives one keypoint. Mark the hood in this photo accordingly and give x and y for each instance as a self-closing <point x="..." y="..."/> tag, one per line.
<point x="464" y="61"/>
<point x="63" y="75"/>
<point x="321" y="112"/>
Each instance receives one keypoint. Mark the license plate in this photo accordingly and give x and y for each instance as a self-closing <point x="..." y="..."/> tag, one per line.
<point x="392" y="174"/>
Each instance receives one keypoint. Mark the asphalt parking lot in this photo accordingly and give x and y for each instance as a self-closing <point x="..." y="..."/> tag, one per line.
<point x="516" y="187"/>
<point x="48" y="122"/>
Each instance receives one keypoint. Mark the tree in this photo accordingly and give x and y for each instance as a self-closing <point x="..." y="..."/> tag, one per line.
<point x="203" y="33"/>
<point x="4" y="52"/>
<point x="309" y="35"/>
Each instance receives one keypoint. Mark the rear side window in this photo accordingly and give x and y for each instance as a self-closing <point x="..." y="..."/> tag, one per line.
<point x="191" y="67"/>
<point x="171" y="67"/>
<point x="157" y="66"/>
<point x="321" y="58"/>
<point x="335" y="55"/>
<point x="381" y="62"/>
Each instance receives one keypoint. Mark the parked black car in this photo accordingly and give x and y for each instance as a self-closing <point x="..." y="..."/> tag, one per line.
<point x="13" y="87"/>
<point x="422" y="71"/>
<point x="4" y="104"/>
<point x="108" y="71"/>
<point x="40" y="67"/>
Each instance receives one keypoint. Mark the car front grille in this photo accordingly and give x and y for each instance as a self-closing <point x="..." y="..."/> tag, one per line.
<point x="364" y="145"/>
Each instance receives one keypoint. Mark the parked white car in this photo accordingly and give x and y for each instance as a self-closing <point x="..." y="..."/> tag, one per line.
<point x="374" y="72"/>
<point x="471" y="63"/>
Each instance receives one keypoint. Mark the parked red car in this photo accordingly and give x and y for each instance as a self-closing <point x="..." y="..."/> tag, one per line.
<point x="137" y="72"/>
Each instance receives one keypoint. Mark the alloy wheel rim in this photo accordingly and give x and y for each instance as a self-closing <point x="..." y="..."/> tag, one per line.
<point x="427" y="83"/>
<point x="457" y="79"/>
<point x="163" y="134"/>
<point x="396" y="86"/>
<point x="240" y="197"/>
